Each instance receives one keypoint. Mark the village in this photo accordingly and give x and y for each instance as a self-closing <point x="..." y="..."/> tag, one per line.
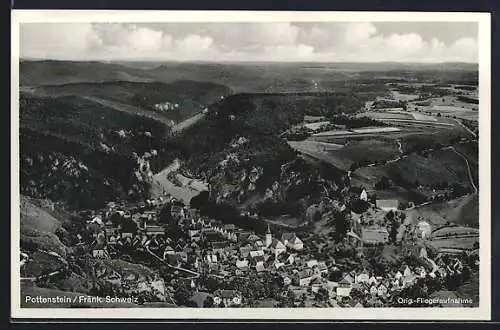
<point x="202" y="262"/>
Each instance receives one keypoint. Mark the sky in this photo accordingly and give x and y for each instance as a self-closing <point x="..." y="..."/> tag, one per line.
<point x="264" y="41"/>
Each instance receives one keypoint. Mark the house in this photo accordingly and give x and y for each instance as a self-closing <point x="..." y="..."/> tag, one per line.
<point x="344" y="289"/>
<point x="423" y="253"/>
<point x="241" y="263"/>
<point x="286" y="279"/>
<point x="303" y="278"/>
<point x="382" y="290"/>
<point x="387" y="204"/>
<point x="245" y="251"/>
<point x="278" y="265"/>
<point x="408" y="280"/>
<point x="422" y="273"/>
<point x="127" y="234"/>
<point x="347" y="278"/>
<point x="177" y="212"/>
<point x="259" y="267"/>
<point x="193" y="232"/>
<point x="152" y="230"/>
<point x="97" y="220"/>
<point x="99" y="253"/>
<point x="407" y="271"/>
<point x="312" y="263"/>
<point x="322" y="268"/>
<point x="398" y="275"/>
<point x="291" y="241"/>
<point x="227" y="298"/>
<point x="256" y="253"/>
<point x="211" y="258"/>
<point x="363" y="196"/>
<point x="372" y="280"/>
<point x="277" y="247"/>
<point x="229" y="227"/>
<point x="424" y="230"/>
<point x="217" y="247"/>
<point x="168" y="251"/>
<point x="395" y="285"/>
<point x="362" y="277"/>
<point x="259" y="245"/>
<point x="374" y="235"/>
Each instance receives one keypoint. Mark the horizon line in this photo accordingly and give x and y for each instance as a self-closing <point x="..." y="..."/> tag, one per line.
<point x="245" y="61"/>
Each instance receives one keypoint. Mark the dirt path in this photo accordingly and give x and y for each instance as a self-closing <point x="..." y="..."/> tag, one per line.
<point x="466" y="128"/>
<point x="186" y="123"/>
<point x="469" y="172"/>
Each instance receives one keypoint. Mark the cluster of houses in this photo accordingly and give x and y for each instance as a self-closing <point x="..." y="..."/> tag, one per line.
<point x="225" y="251"/>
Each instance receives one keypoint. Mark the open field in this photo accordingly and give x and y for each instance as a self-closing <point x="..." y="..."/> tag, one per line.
<point x="454" y="231"/>
<point x="369" y="150"/>
<point x="368" y="131"/>
<point x="382" y="115"/>
<point x="448" y="106"/>
<point x="426" y="170"/>
<point x="403" y="97"/>
<point x="460" y="243"/>
<point x="314" y="145"/>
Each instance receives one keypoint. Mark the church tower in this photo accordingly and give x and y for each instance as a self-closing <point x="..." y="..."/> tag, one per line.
<point x="269" y="237"/>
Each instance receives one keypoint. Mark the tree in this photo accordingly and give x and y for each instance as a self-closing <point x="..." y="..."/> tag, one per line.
<point x="129" y="226"/>
<point x="182" y="294"/>
<point x="191" y="303"/>
<point x="359" y="206"/>
<point x="322" y="294"/>
<point x="165" y="215"/>
<point x="199" y="201"/>
<point x="208" y="302"/>
<point x="335" y="275"/>
<point x="317" y="216"/>
<point x="341" y="225"/>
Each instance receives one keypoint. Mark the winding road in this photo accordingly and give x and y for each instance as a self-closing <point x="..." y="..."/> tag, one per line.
<point x="468" y="167"/>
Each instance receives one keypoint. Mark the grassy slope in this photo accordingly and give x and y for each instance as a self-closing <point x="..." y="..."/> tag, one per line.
<point x="463" y="210"/>
<point x="35" y="217"/>
<point x="38" y="229"/>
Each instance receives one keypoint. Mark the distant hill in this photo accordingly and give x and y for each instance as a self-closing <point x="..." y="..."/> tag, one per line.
<point x="35" y="73"/>
<point x="243" y="77"/>
<point x="189" y="95"/>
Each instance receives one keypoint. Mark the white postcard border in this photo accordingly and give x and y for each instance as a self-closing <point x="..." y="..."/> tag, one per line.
<point x="483" y="312"/>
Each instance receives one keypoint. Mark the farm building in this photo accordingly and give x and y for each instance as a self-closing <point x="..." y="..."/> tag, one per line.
<point x="423" y="230"/>
<point x="387" y="204"/>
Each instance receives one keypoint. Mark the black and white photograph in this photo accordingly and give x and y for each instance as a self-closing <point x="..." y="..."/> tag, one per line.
<point x="251" y="165"/>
